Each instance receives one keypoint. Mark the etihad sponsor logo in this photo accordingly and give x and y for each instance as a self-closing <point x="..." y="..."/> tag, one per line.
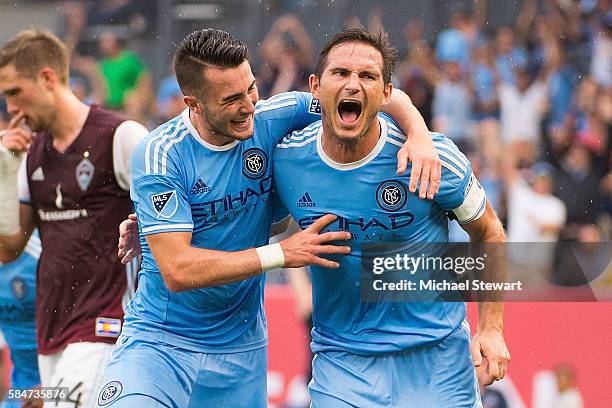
<point x="390" y="222"/>
<point x="232" y="201"/>
<point x="64" y="215"/>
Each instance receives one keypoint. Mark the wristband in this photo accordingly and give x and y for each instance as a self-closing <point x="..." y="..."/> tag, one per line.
<point x="271" y="257"/>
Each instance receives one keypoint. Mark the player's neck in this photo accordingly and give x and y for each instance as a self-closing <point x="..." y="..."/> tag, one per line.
<point x="342" y="151"/>
<point x="70" y="119"/>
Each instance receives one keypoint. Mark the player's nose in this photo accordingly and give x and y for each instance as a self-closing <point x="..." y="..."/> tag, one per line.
<point x="12" y="108"/>
<point x="248" y="106"/>
<point x="352" y="82"/>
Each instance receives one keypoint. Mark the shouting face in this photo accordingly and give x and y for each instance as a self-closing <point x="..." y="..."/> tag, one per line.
<point x="351" y="90"/>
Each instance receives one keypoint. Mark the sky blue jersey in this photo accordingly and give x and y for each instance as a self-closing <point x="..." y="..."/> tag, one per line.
<point x="17" y="313"/>
<point x="221" y="195"/>
<point x="374" y="204"/>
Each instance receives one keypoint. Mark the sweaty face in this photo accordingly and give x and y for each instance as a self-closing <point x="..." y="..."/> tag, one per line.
<point x="229" y="101"/>
<point x="351" y="90"/>
<point x="27" y="96"/>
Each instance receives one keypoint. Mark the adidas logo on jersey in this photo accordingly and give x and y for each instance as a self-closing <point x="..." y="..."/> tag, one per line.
<point x="200" y="187"/>
<point x="306" y="201"/>
<point x="38" y="175"/>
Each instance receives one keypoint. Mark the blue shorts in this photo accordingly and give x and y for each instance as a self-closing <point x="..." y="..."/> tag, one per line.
<point x="436" y="375"/>
<point x="149" y="374"/>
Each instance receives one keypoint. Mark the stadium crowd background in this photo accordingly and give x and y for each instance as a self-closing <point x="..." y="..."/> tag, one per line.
<point x="523" y="87"/>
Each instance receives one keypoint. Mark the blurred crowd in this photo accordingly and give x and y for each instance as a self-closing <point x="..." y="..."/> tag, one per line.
<point x="530" y="104"/>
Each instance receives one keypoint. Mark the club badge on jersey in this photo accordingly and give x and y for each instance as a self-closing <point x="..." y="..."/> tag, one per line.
<point x="254" y="163"/>
<point x="84" y="172"/>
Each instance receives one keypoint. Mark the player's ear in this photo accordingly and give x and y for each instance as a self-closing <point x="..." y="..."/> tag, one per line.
<point x="313" y="81"/>
<point x="193" y="104"/>
<point x="387" y="91"/>
<point x="48" y="77"/>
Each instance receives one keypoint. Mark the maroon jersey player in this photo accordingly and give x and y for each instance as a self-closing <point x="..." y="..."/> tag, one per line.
<point x="74" y="187"/>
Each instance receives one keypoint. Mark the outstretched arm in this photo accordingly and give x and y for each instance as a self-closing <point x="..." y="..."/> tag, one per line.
<point x="418" y="149"/>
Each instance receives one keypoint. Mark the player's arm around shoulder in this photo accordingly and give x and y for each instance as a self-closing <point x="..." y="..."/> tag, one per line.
<point x="284" y="113"/>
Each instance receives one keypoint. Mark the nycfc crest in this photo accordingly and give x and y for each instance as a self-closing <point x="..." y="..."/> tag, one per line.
<point x="84" y="172"/>
<point x="254" y="163"/>
<point x="109" y="393"/>
<point x="19" y="287"/>
<point x="391" y="195"/>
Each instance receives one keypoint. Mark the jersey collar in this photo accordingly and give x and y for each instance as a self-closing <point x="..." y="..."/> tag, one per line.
<point x="359" y="163"/>
<point x="196" y="135"/>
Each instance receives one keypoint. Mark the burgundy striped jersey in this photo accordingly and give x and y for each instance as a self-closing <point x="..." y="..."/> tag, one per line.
<point x="78" y="204"/>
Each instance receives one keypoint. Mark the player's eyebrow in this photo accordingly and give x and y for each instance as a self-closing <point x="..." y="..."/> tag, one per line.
<point x="369" y="72"/>
<point x="237" y="94"/>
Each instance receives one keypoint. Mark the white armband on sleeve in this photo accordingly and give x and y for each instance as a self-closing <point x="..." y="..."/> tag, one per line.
<point x="473" y="204"/>
<point x="127" y="136"/>
<point x="9" y="201"/>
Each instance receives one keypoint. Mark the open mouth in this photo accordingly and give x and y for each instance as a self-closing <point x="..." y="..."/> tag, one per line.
<point x="349" y="110"/>
<point x="242" y="123"/>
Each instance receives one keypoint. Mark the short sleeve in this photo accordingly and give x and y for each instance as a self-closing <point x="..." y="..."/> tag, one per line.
<point x="127" y="136"/>
<point x="460" y="192"/>
<point x="160" y="197"/>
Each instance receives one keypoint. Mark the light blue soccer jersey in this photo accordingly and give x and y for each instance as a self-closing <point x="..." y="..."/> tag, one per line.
<point x="17" y="313"/>
<point x="220" y="195"/>
<point x="374" y="204"/>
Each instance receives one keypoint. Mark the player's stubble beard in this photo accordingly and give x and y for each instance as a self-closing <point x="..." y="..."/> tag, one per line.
<point x="335" y="135"/>
<point x="220" y="128"/>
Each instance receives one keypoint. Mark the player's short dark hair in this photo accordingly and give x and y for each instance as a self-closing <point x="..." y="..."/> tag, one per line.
<point x="32" y="50"/>
<point x="201" y="49"/>
<point x="379" y="40"/>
